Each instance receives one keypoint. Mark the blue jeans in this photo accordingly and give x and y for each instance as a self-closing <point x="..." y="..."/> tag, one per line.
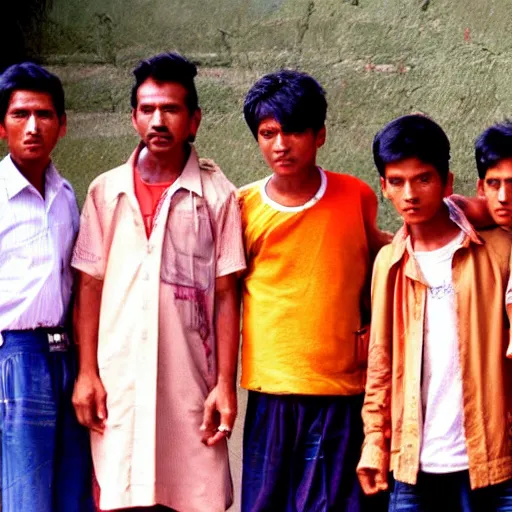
<point x="450" y="491"/>
<point x="46" y="464"/>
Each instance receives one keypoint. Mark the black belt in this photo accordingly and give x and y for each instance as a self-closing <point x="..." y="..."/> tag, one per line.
<point x="57" y="338"/>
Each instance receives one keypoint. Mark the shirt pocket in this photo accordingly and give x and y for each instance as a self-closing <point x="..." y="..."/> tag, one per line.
<point x="188" y="249"/>
<point x="19" y="256"/>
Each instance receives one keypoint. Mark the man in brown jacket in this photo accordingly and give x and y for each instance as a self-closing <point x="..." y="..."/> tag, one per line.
<point x="439" y="393"/>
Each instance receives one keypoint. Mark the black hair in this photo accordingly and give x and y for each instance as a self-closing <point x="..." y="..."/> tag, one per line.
<point x="28" y="76"/>
<point x="167" y="67"/>
<point x="492" y="146"/>
<point x="294" y="99"/>
<point x="412" y="136"/>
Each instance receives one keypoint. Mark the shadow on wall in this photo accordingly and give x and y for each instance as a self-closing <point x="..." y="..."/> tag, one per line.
<point x="21" y="30"/>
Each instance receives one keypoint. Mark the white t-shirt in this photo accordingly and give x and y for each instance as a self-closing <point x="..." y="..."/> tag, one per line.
<point x="508" y="300"/>
<point x="443" y="447"/>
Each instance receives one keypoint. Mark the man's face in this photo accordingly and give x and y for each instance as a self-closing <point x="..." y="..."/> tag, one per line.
<point x="31" y="127"/>
<point x="496" y="187"/>
<point x="162" y="118"/>
<point x="288" y="153"/>
<point x="415" y="189"/>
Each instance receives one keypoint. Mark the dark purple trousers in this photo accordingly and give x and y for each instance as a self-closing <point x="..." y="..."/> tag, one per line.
<point x="300" y="455"/>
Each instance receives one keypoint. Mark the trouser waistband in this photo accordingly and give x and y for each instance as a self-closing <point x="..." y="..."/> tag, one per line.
<point x="48" y="339"/>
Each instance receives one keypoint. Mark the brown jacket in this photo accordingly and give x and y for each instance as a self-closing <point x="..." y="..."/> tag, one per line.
<point x="392" y="409"/>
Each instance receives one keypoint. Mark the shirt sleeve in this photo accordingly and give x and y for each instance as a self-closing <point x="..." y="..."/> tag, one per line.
<point x="377" y="404"/>
<point x="89" y="255"/>
<point x="229" y="242"/>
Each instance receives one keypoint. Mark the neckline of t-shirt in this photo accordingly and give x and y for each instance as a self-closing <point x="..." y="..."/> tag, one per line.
<point x="292" y="209"/>
<point x="444" y="252"/>
<point x="161" y="184"/>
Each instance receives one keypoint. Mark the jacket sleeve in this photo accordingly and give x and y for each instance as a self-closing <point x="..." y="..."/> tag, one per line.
<point x="377" y="404"/>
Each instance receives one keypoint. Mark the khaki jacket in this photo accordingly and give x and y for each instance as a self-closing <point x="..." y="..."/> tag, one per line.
<point x="392" y="409"/>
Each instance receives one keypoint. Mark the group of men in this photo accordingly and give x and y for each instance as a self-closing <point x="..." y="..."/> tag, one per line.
<point x="143" y="376"/>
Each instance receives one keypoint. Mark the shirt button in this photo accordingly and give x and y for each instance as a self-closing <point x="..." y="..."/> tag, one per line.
<point x="146" y="276"/>
<point x="145" y="305"/>
<point x="144" y="335"/>
<point x="150" y="248"/>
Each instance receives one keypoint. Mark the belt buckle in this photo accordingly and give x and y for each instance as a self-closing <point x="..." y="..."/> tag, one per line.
<point x="58" y="342"/>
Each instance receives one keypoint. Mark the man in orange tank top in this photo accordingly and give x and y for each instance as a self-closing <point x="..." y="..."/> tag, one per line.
<point x="310" y="239"/>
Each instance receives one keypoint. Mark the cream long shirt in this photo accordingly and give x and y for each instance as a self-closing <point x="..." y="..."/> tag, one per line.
<point x="36" y="242"/>
<point x="156" y="344"/>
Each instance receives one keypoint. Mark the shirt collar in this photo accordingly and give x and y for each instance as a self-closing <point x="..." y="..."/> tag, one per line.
<point x="402" y="240"/>
<point x="15" y="182"/>
<point x="190" y="177"/>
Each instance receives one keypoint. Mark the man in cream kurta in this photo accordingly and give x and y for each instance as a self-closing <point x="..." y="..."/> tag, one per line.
<point x="157" y="350"/>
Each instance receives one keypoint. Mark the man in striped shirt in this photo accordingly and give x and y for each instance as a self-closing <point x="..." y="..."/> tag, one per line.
<point x="45" y="455"/>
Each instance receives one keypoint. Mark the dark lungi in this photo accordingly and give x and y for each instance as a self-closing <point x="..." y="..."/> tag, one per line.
<point x="300" y="455"/>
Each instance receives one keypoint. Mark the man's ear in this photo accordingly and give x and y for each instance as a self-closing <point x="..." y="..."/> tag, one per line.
<point x="3" y="133"/>
<point x="448" y="188"/>
<point x="480" y="188"/>
<point x="134" y="119"/>
<point x="383" y="187"/>
<point x="196" y="121"/>
<point x="63" y="125"/>
<point x="320" y="137"/>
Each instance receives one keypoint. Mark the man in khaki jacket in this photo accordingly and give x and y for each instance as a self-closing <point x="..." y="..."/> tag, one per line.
<point x="438" y="400"/>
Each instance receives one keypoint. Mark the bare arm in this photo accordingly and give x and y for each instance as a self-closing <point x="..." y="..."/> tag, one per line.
<point x="227" y="328"/>
<point x="89" y="397"/>
<point x="475" y="209"/>
<point x="86" y="320"/>
<point x="376" y="237"/>
<point x="376" y="240"/>
<point x="221" y="404"/>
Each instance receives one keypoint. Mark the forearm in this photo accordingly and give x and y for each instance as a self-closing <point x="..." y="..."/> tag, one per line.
<point x="475" y="209"/>
<point x="86" y="315"/>
<point x="227" y="327"/>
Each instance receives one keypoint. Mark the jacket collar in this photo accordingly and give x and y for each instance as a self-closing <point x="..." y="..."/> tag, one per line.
<point x="402" y="244"/>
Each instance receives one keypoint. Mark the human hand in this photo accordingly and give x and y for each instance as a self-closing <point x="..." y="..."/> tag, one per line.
<point x="372" y="480"/>
<point x="90" y="401"/>
<point x="220" y="410"/>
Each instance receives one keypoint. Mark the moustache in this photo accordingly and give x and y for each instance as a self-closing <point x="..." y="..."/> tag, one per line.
<point x="160" y="133"/>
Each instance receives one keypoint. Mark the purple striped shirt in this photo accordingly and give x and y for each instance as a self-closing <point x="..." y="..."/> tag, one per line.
<point x="36" y="243"/>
